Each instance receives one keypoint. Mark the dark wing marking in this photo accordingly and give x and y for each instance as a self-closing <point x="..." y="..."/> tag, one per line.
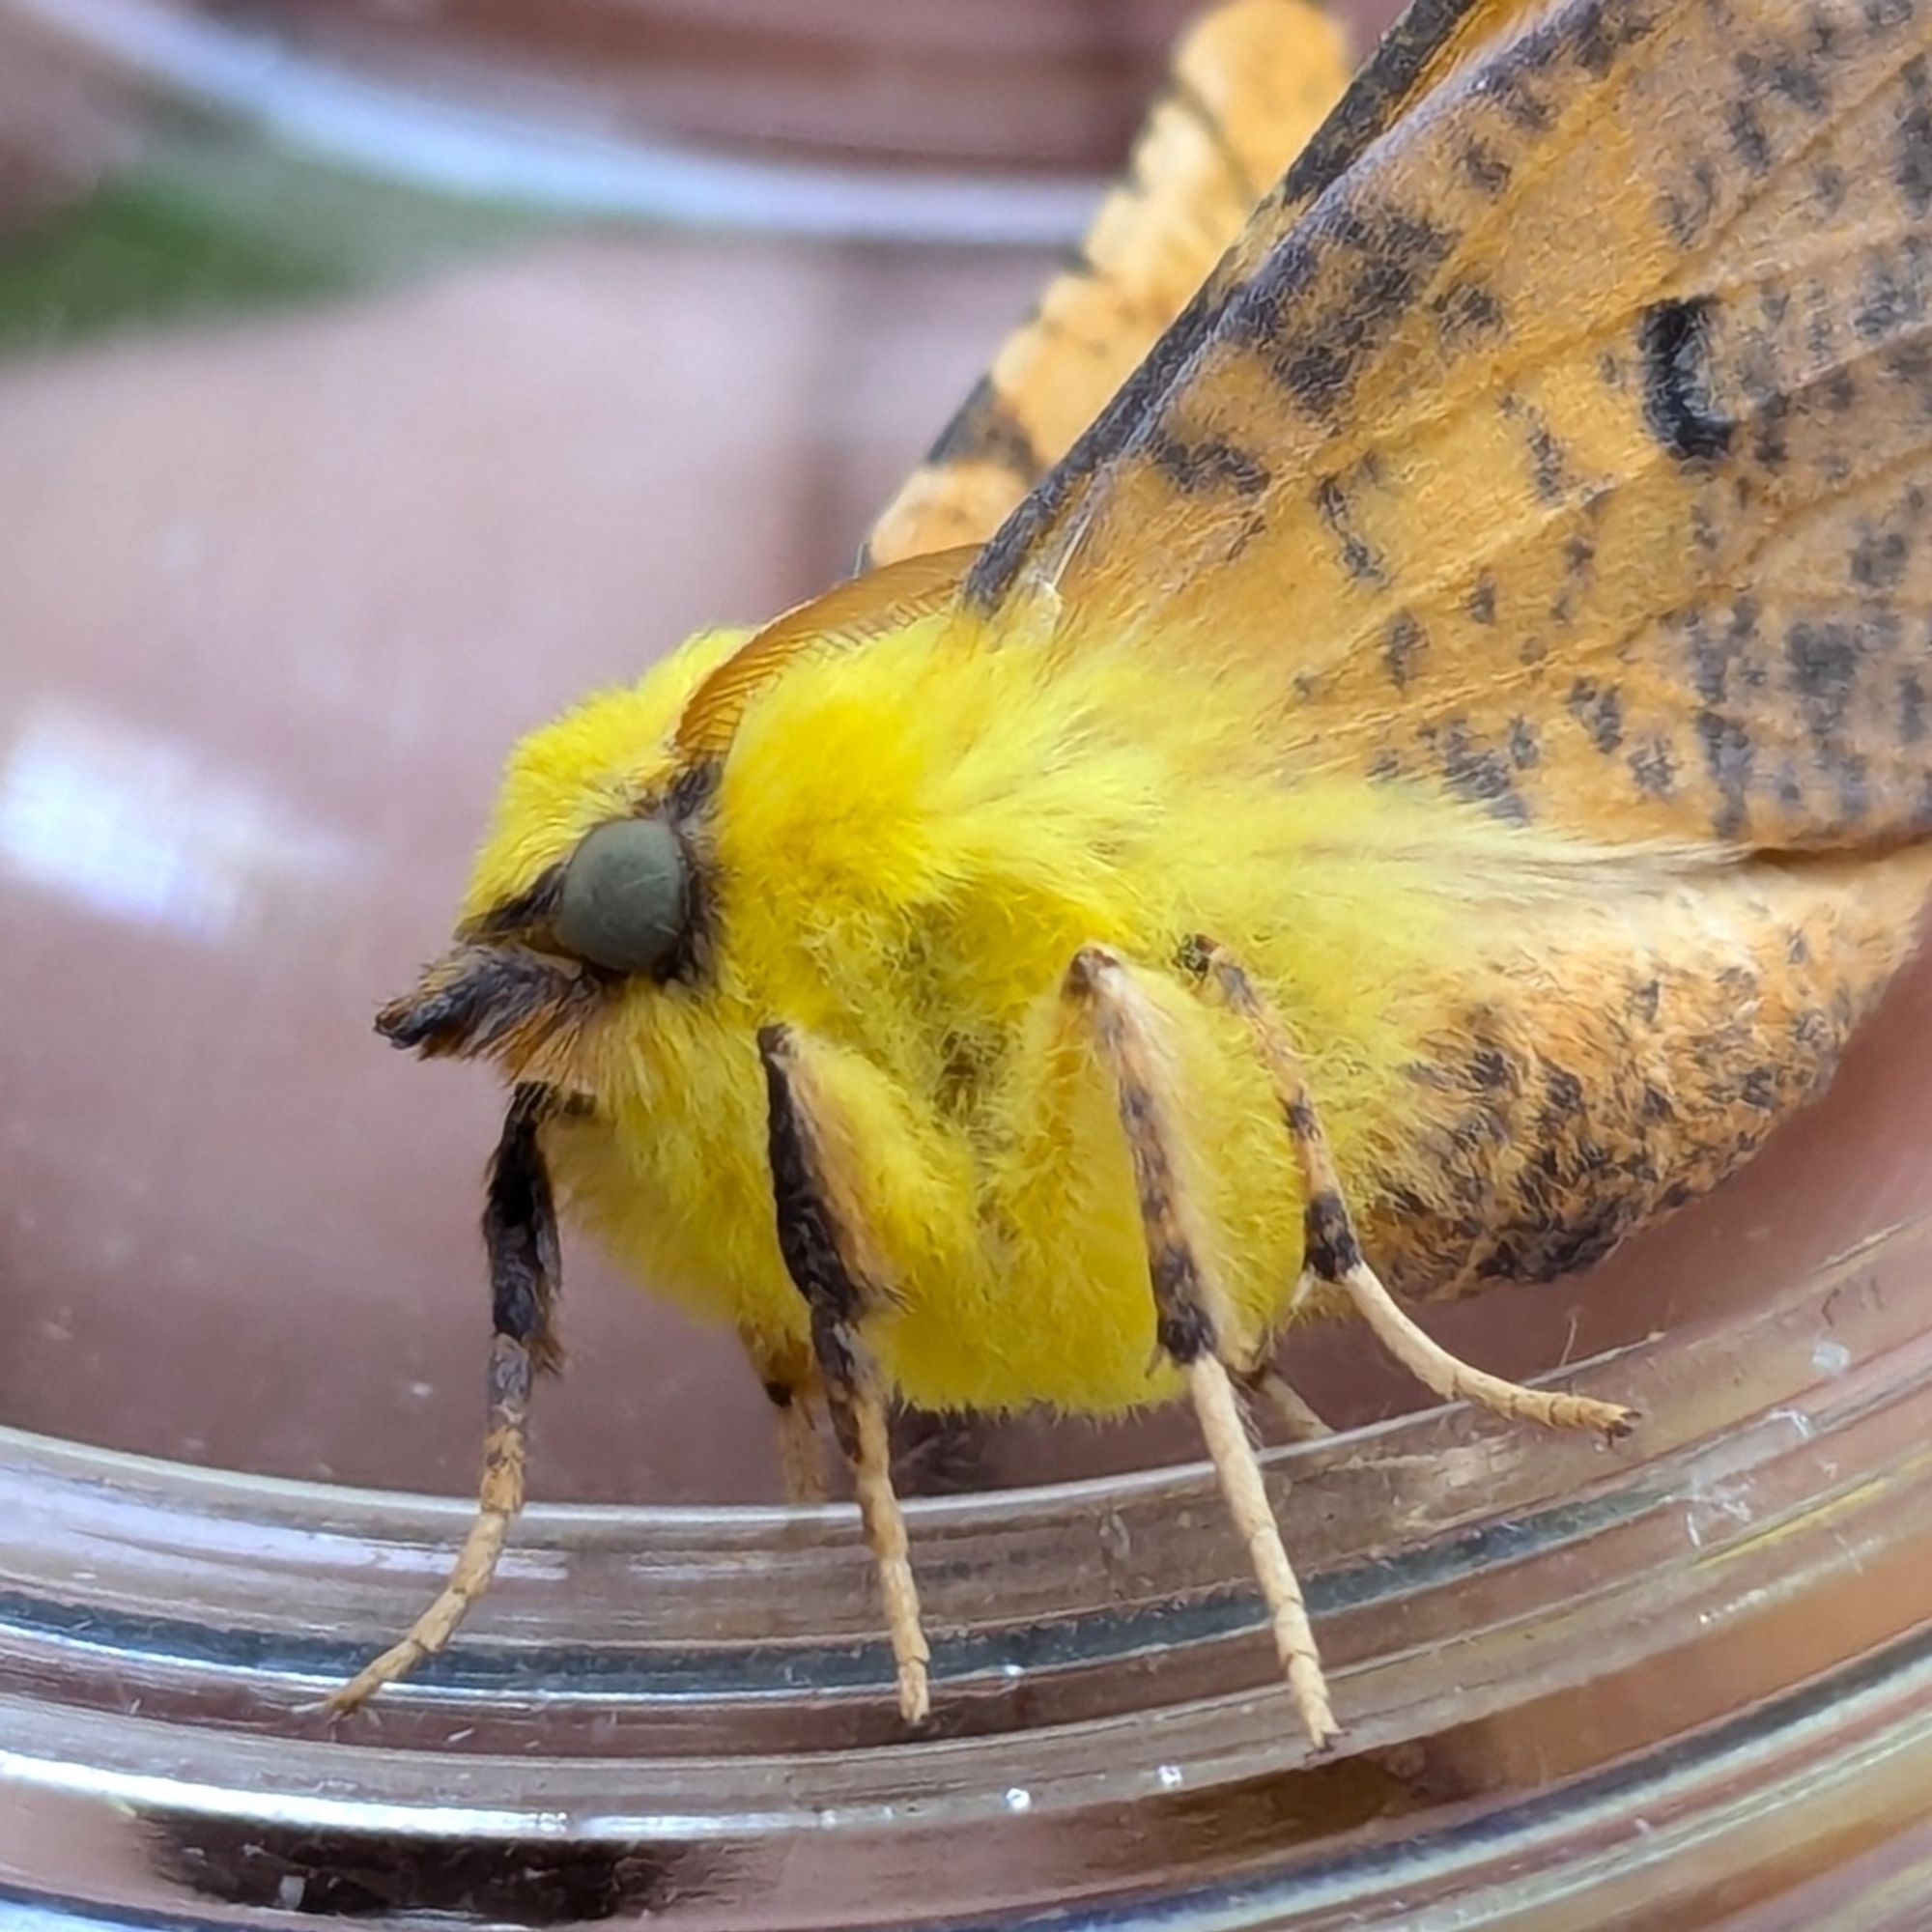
<point x="1571" y="453"/>
<point x="1429" y="42"/>
<point x="1246" y="87"/>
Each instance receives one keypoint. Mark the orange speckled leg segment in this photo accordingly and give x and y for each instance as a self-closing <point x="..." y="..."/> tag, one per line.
<point x="1188" y="1303"/>
<point x="1334" y="1254"/>
<point x="798" y="1465"/>
<point x="500" y="1500"/>
<point x="830" y="1259"/>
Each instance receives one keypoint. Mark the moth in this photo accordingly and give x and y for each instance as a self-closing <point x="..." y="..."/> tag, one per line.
<point x="1384" y="749"/>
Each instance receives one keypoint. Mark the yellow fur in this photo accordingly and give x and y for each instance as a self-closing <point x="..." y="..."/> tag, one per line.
<point x="909" y="841"/>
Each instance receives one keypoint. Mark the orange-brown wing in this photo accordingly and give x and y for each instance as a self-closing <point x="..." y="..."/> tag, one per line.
<point x="1431" y="41"/>
<point x="1572" y="450"/>
<point x="1246" y="87"/>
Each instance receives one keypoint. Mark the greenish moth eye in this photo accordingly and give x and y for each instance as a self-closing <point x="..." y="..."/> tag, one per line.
<point x="625" y="890"/>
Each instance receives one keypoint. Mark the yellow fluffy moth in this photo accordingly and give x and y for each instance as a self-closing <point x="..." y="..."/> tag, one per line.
<point x="1384" y="749"/>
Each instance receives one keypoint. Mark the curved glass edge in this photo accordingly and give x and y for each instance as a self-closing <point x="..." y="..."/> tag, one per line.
<point x="1502" y="1614"/>
<point x="1775" y="1791"/>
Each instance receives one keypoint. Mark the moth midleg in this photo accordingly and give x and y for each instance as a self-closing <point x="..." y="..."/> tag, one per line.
<point x="790" y="1382"/>
<point x="1190" y="1306"/>
<point x="1333" y="1254"/>
<point x="520" y="1237"/>
<point x="829" y="1251"/>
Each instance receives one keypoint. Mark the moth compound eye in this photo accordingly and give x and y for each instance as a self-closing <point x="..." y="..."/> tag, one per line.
<point x="624" y="896"/>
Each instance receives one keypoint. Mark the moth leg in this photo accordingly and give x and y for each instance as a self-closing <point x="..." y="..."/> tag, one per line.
<point x="520" y="1237"/>
<point x="1334" y="1254"/>
<point x="790" y="1383"/>
<point x="829" y="1252"/>
<point x="1262" y="1382"/>
<point x="1190" y="1314"/>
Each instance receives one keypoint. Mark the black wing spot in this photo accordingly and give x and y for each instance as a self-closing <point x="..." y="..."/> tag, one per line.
<point x="1359" y="557"/>
<point x="1913" y="169"/>
<point x="986" y="429"/>
<point x="1599" y="710"/>
<point x="1473" y="770"/>
<point x="1212" y="463"/>
<point x="1485" y="169"/>
<point x="1404" y="643"/>
<point x="1911" y="709"/>
<point x="1466" y="313"/>
<point x="1748" y="140"/>
<point x="1654" y="769"/>
<point x="1800" y="79"/>
<point x="1679" y="405"/>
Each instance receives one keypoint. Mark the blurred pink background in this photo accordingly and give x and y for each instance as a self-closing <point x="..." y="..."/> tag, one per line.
<point x="280" y="584"/>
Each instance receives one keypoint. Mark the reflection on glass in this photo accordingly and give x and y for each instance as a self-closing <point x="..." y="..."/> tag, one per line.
<point x="139" y="829"/>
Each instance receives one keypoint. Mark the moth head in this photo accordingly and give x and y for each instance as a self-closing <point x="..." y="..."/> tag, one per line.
<point x="588" y="883"/>
<point x="591" y="880"/>
<point x="618" y="907"/>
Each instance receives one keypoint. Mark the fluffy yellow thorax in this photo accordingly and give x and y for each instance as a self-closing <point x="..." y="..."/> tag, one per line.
<point x="906" y="844"/>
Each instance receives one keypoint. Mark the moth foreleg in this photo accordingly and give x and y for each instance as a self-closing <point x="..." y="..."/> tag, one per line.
<point x="520" y="1237"/>
<point x="829" y="1251"/>
<point x="1189" y="1305"/>
<point x="1333" y="1255"/>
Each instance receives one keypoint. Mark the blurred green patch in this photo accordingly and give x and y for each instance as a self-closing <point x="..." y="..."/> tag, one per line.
<point x="203" y="231"/>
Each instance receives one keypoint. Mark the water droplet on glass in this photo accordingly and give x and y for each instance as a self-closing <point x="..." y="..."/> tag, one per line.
<point x="1830" y="1358"/>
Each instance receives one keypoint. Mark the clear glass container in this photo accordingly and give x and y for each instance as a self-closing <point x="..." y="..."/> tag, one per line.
<point x="1680" y="1684"/>
<point x="374" y="380"/>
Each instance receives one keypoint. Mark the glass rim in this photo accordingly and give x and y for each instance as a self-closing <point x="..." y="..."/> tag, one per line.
<point x="1502" y="1614"/>
<point x="1150" y="1537"/>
